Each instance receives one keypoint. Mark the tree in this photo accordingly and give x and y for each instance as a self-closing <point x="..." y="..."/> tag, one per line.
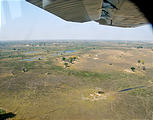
<point x="100" y="92"/>
<point x="66" y="65"/>
<point x="133" y="69"/>
<point x="63" y="58"/>
<point x="143" y="68"/>
<point x="139" y="47"/>
<point x="139" y="61"/>
<point x="71" y="60"/>
<point x="74" y="58"/>
<point x="25" y="70"/>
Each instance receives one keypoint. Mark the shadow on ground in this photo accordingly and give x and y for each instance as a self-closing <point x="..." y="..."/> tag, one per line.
<point x="7" y="115"/>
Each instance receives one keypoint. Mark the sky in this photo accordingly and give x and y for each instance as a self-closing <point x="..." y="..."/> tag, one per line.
<point x="20" y="20"/>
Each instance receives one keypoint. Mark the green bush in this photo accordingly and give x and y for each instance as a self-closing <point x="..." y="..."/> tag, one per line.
<point x="133" y="69"/>
<point x="143" y="68"/>
<point x="2" y="111"/>
<point x="139" y="61"/>
<point x="63" y="58"/>
<point x="25" y="69"/>
<point x="71" y="60"/>
<point x="66" y="64"/>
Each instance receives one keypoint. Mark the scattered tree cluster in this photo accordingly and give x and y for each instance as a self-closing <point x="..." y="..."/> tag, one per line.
<point x="141" y="66"/>
<point x="69" y="60"/>
<point x="140" y="47"/>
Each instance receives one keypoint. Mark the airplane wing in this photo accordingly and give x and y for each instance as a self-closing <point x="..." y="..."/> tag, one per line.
<point x="121" y="13"/>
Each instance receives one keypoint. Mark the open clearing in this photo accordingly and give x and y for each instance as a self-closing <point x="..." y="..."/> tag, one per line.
<point x="76" y="80"/>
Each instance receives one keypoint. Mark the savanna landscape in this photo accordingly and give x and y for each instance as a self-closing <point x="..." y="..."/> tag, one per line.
<point x="76" y="80"/>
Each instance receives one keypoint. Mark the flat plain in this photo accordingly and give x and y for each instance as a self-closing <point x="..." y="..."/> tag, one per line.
<point x="76" y="80"/>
